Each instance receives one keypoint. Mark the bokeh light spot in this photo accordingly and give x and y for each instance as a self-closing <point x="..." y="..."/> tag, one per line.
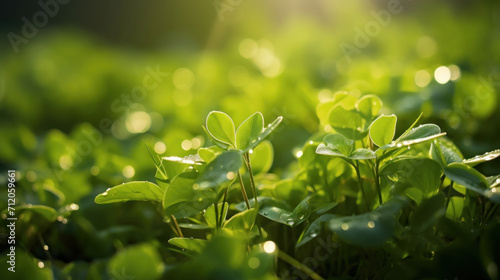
<point x="183" y="79"/>
<point x="160" y="147"/>
<point x="138" y="122"/>
<point x="422" y="78"/>
<point x="128" y="171"/>
<point x="442" y="74"/>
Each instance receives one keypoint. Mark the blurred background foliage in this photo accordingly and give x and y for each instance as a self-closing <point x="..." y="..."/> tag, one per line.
<point x="71" y="125"/>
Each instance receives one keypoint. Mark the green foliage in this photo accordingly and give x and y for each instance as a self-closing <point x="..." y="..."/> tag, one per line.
<point x="141" y="261"/>
<point x="364" y="208"/>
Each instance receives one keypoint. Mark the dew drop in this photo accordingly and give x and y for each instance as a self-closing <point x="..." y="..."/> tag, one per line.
<point x="46" y="247"/>
<point x="301" y="217"/>
<point x="250" y="151"/>
<point x="311" y="142"/>
<point x="408" y="147"/>
<point x="313" y="234"/>
<point x="345" y="226"/>
<point x="110" y="188"/>
<point x="399" y="145"/>
<point x="104" y="194"/>
<point x="371" y="224"/>
<point x="265" y="213"/>
<point x="41" y="265"/>
<point x="289" y="222"/>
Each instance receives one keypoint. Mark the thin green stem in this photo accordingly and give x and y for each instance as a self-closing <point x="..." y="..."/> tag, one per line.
<point x="179" y="231"/>
<point x="295" y="263"/>
<point x="360" y="181"/>
<point x="245" y="197"/>
<point x="221" y="219"/>
<point x="252" y="181"/>
<point x="216" y="214"/>
<point x="377" y="182"/>
<point x="246" y="156"/>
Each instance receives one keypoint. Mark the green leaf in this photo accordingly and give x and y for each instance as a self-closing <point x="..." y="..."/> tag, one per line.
<point x="470" y="178"/>
<point x="340" y="143"/>
<point x="482" y="158"/>
<point x="190" y="244"/>
<point x="369" y="106"/>
<point x="273" y="209"/>
<point x="262" y="157"/>
<point x="220" y="170"/>
<point x="314" y="229"/>
<point x="136" y="191"/>
<point x="422" y="131"/>
<point x="422" y="174"/>
<point x="242" y="221"/>
<point x="382" y="130"/>
<point x="175" y="165"/>
<point x="369" y="229"/>
<point x="337" y="145"/>
<point x="249" y="130"/>
<point x="428" y="212"/>
<point x="347" y="122"/>
<point x="209" y="153"/>
<point x="270" y="128"/>
<point x="455" y="208"/>
<point x="184" y="197"/>
<point x="139" y="261"/>
<point x="309" y="205"/>
<point x="345" y="99"/>
<point x="444" y="153"/>
<point x="339" y="98"/>
<point x="222" y="145"/>
<point x="416" y="135"/>
<point x="221" y="127"/>
<point x="209" y="214"/>
<point x="362" y="153"/>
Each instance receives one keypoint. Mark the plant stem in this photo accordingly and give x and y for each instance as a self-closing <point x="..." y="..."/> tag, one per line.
<point x="377" y="182"/>
<point x="360" y="181"/>
<point x="295" y="263"/>
<point x="246" y="156"/>
<point x="222" y="210"/>
<point x="216" y="214"/>
<point x="179" y="231"/>
<point x="252" y="181"/>
<point x="245" y="197"/>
